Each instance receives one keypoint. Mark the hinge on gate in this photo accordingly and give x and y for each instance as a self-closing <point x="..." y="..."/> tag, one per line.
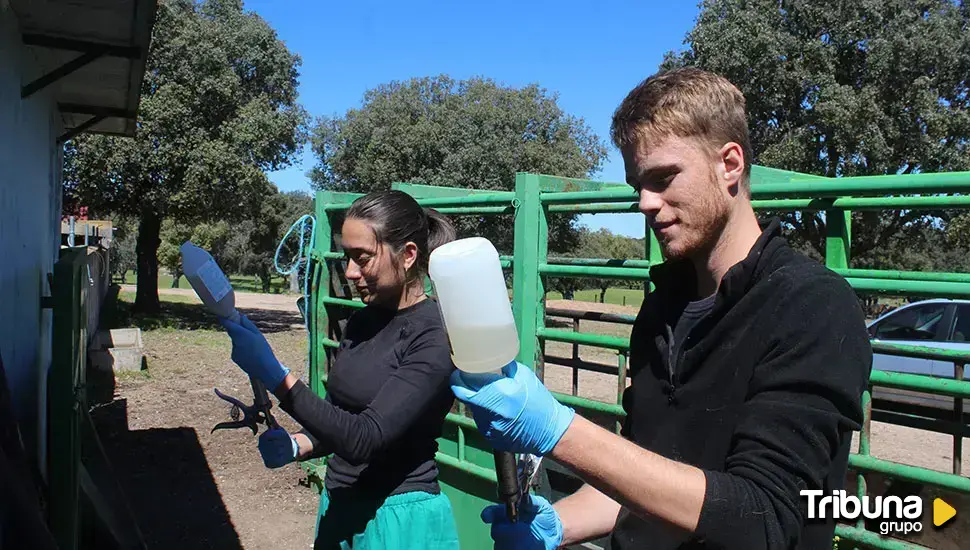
<point x="47" y="302"/>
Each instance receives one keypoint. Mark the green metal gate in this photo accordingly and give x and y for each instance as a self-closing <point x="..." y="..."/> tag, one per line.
<point x="465" y="459"/>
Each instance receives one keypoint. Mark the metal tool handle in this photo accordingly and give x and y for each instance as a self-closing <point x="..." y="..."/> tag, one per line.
<point x="262" y="403"/>
<point x="508" y="483"/>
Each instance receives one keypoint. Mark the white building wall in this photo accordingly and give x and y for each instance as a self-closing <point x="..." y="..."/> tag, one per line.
<point x="30" y="205"/>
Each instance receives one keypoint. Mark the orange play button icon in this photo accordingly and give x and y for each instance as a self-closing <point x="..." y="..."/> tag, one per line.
<point x="942" y="512"/>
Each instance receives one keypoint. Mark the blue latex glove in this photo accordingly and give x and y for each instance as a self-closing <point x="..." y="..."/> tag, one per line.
<point x="514" y="412"/>
<point x="278" y="448"/>
<point x="252" y="353"/>
<point x="538" y="526"/>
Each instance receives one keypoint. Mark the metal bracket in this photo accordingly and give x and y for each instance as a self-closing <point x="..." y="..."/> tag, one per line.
<point x="70" y="134"/>
<point x="59" y="73"/>
<point x="90" y="51"/>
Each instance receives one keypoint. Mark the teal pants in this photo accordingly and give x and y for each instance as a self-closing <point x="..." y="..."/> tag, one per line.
<point x="414" y="520"/>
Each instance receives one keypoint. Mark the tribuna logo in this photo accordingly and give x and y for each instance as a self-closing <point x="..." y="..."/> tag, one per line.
<point x="898" y="514"/>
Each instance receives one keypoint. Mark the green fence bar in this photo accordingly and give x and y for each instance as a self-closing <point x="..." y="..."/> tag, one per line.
<point x="467" y="467"/>
<point x="596" y="208"/>
<point x="947" y="182"/>
<point x="526" y="284"/>
<point x="342" y="302"/>
<point x="920" y="382"/>
<point x="874" y="540"/>
<point x="625" y="273"/>
<point x="915" y="474"/>
<point x="501" y="197"/>
<point x="476" y="210"/>
<point x="910" y="288"/>
<point x="863" y="203"/>
<point x="620" y="194"/>
<point x="597" y="340"/>
<point x="921" y="352"/>
<point x="804" y="205"/>
<point x="905" y="275"/>
<point x="559" y="184"/>
<point x="588" y="404"/>
<point x="604" y="262"/>
<point x="460" y="420"/>
<point x="506" y="261"/>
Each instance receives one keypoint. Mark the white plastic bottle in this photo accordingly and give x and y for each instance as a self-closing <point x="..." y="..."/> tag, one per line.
<point x="471" y="292"/>
<point x="208" y="281"/>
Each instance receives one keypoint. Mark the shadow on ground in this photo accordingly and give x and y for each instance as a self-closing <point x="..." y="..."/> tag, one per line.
<point x="182" y="316"/>
<point x="167" y="482"/>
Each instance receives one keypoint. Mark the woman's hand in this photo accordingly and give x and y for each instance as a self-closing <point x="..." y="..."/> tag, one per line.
<point x="278" y="448"/>
<point x="252" y="352"/>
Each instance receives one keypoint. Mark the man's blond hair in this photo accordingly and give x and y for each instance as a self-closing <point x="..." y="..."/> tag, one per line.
<point x="685" y="102"/>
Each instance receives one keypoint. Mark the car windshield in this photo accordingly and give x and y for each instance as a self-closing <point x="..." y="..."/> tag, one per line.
<point x="914" y="323"/>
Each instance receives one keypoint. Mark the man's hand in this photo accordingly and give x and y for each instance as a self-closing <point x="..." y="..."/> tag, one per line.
<point x="515" y="412"/>
<point x="252" y="352"/>
<point x="538" y="527"/>
<point x="278" y="448"/>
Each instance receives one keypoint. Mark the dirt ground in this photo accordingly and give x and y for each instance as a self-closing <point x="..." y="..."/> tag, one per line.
<point x="192" y="489"/>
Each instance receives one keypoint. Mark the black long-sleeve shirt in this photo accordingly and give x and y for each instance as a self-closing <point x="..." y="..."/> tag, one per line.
<point x="762" y="397"/>
<point x="387" y="396"/>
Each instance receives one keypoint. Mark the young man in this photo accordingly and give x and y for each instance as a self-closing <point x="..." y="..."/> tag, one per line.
<point x="748" y="361"/>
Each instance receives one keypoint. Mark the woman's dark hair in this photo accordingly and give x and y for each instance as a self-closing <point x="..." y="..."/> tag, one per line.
<point x="396" y="218"/>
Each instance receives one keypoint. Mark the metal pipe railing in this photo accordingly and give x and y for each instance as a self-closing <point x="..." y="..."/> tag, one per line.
<point x="905" y="275"/>
<point x="922" y="184"/>
<point x="804" y="194"/>
<point x="602" y="262"/>
<point x="484" y="199"/>
<point x="623" y="273"/>
<point x="796" y="204"/>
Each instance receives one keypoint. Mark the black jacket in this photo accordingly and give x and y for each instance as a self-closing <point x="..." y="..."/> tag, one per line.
<point x="763" y="398"/>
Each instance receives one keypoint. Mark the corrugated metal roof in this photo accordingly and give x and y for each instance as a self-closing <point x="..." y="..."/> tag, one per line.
<point x="91" y="54"/>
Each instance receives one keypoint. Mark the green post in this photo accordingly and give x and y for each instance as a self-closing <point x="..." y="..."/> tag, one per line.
<point x="526" y="283"/>
<point x="320" y="319"/>
<point x="838" y="236"/>
<point x="67" y="380"/>
<point x="652" y="253"/>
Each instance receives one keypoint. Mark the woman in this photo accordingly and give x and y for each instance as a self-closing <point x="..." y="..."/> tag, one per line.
<point x="387" y="393"/>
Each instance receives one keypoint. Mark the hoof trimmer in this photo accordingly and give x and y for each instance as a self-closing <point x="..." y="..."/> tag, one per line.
<point x="215" y="291"/>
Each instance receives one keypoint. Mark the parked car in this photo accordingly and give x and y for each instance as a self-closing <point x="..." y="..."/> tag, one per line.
<point x="939" y="323"/>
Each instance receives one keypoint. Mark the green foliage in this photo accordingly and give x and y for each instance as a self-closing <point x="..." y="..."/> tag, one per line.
<point x="122" y="257"/>
<point x="218" y="108"/>
<point x="472" y="133"/>
<point x="597" y="244"/>
<point x="604" y="244"/>
<point x="210" y="236"/>
<point x="845" y="89"/>
<point x="252" y="245"/>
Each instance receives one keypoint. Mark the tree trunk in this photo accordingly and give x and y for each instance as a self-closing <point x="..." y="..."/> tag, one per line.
<point x="149" y="229"/>
<point x="603" y="295"/>
<point x="176" y="275"/>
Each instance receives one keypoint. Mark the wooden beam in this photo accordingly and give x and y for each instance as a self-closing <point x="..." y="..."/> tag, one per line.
<point x="80" y="128"/>
<point x="95" y="110"/>
<point x="58" y="43"/>
<point x="59" y="73"/>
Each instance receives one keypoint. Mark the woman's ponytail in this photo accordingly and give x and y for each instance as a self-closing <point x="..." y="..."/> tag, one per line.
<point x="440" y="229"/>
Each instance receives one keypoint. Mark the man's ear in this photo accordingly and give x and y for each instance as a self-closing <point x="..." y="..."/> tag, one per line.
<point x="731" y="167"/>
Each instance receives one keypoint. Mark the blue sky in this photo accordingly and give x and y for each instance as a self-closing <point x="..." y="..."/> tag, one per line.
<point x="590" y="53"/>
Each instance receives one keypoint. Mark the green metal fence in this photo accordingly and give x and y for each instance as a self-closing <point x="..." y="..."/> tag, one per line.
<point x="465" y="459"/>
